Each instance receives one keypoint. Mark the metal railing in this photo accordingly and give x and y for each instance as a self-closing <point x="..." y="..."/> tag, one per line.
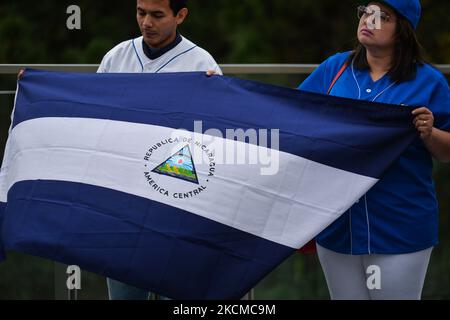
<point x="6" y="69"/>
<point x="226" y="68"/>
<point x="11" y="69"/>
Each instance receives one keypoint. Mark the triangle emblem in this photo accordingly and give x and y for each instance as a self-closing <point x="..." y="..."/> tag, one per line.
<point x="180" y="166"/>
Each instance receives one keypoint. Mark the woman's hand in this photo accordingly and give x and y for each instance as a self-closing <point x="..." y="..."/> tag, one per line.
<point x="436" y="140"/>
<point x="210" y="73"/>
<point x="424" y="122"/>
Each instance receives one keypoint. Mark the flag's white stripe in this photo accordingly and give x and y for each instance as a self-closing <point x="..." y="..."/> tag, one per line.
<point x="288" y="208"/>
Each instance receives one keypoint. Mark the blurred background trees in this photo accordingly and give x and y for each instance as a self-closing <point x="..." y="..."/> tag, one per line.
<point x="234" y="31"/>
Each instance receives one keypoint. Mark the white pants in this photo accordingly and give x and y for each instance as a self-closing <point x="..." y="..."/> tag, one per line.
<point x="400" y="276"/>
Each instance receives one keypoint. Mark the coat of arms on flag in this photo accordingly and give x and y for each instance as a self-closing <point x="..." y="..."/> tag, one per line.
<point x="180" y="166"/>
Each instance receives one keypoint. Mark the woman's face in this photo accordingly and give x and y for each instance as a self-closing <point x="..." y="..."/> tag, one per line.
<point x="377" y="30"/>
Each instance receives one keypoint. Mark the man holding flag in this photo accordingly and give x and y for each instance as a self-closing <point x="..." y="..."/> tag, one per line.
<point x="161" y="48"/>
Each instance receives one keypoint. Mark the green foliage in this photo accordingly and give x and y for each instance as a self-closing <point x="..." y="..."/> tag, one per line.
<point x="234" y="31"/>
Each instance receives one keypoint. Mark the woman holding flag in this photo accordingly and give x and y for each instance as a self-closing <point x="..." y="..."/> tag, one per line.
<point x="380" y="248"/>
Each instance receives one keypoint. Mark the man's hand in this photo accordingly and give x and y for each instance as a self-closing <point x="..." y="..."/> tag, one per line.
<point x="210" y="73"/>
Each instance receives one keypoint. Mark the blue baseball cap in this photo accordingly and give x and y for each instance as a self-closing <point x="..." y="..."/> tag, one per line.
<point x="409" y="9"/>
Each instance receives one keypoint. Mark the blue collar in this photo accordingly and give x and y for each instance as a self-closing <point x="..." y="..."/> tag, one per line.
<point x="153" y="54"/>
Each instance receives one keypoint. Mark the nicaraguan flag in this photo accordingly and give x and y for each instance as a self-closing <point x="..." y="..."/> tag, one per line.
<point x="179" y="183"/>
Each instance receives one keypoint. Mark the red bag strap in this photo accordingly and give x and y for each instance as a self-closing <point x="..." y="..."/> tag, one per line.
<point x="310" y="247"/>
<point x="338" y="75"/>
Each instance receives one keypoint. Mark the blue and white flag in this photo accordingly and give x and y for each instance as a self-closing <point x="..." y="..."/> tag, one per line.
<point x="188" y="186"/>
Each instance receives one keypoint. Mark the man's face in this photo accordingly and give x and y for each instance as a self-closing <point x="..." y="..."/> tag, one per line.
<point x="157" y="22"/>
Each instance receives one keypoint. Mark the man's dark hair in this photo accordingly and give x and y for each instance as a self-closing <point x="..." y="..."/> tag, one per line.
<point x="177" y="5"/>
<point x="408" y="53"/>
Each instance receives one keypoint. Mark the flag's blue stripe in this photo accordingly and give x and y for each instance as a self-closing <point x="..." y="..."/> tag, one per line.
<point x="312" y="126"/>
<point x="122" y="236"/>
<point x="2" y="212"/>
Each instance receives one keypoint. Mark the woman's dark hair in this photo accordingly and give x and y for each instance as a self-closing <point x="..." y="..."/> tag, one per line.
<point x="177" y="5"/>
<point x="408" y="53"/>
